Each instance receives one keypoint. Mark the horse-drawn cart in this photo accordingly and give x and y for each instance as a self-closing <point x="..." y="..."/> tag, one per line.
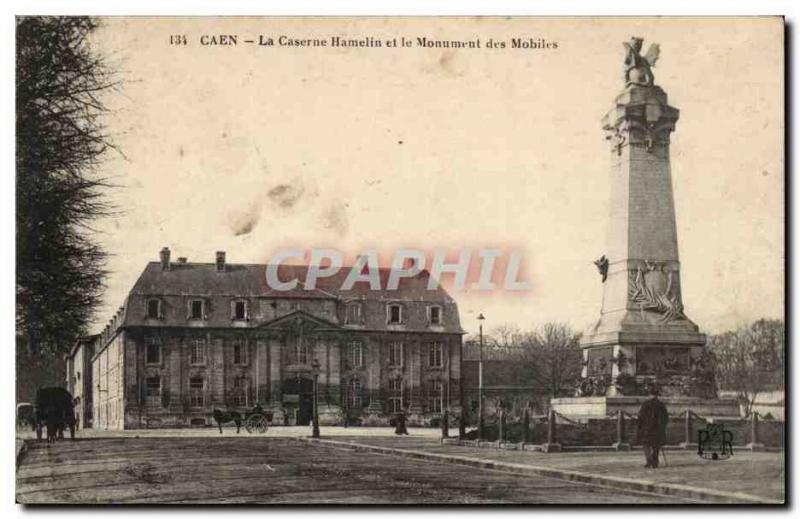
<point x="255" y="420"/>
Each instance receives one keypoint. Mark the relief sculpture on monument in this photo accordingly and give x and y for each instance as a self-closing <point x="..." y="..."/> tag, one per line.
<point x="652" y="289"/>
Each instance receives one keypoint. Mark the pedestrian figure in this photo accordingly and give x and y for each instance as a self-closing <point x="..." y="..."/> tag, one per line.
<point x="400" y="425"/>
<point x="652" y="427"/>
<point x="445" y="424"/>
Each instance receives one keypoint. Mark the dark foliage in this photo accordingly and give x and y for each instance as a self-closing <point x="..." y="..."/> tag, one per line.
<point x="60" y="140"/>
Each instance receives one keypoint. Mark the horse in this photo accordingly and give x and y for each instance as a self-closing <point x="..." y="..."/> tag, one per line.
<point x="222" y="417"/>
<point x="52" y="424"/>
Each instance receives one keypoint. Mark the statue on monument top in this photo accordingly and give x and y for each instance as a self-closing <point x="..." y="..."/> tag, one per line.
<point x="638" y="68"/>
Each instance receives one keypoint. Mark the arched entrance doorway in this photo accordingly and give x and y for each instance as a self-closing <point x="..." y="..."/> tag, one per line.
<point x="298" y="398"/>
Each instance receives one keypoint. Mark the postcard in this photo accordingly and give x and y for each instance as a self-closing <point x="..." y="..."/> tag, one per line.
<point x="400" y="260"/>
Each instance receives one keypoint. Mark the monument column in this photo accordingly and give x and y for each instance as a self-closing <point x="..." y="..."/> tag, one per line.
<point x="643" y="337"/>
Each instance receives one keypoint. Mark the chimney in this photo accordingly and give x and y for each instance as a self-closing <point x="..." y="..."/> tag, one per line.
<point x="220" y="261"/>
<point x="164" y="258"/>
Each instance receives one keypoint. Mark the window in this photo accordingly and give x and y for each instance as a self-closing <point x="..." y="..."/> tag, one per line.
<point x="241" y="386"/>
<point x="196" y="387"/>
<point x="353" y="396"/>
<point x="395" y="314"/>
<point x="239" y="310"/>
<point x="152" y="391"/>
<point x="395" y="395"/>
<point x="196" y="309"/>
<point x="355" y="354"/>
<point x="301" y="353"/>
<point x="435" y="355"/>
<point x="154" y="309"/>
<point x="239" y="352"/>
<point x="435" y="395"/>
<point x="396" y="354"/>
<point x="152" y="351"/>
<point x="353" y="315"/>
<point x="197" y="351"/>
<point x="435" y="314"/>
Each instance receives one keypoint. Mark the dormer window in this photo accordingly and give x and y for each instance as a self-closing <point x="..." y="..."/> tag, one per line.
<point x="239" y="310"/>
<point x="435" y="314"/>
<point x="353" y="315"/>
<point x="197" y="309"/>
<point x="154" y="308"/>
<point x="394" y="314"/>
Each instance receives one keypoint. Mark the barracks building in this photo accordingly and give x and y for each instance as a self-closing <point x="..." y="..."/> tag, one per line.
<point x="194" y="337"/>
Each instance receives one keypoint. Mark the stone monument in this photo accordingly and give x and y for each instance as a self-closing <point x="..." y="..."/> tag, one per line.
<point x="643" y="336"/>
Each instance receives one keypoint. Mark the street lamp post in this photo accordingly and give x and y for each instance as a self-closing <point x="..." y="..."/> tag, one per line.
<point x="481" y="318"/>
<point x="315" y="414"/>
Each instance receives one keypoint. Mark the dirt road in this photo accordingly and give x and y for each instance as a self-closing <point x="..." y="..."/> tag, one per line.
<point x="272" y="470"/>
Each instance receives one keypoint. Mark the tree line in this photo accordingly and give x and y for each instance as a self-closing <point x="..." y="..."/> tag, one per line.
<point x="747" y="360"/>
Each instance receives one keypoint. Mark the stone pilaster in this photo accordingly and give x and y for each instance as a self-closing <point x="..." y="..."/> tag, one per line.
<point x="216" y="371"/>
<point x="330" y="410"/>
<point x="415" y="379"/>
<point x="260" y="367"/>
<point x="373" y="359"/>
<point x="176" y="382"/>
<point x="275" y="380"/>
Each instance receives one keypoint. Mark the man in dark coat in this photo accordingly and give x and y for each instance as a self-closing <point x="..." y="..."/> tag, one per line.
<point x="652" y="427"/>
<point x="400" y="424"/>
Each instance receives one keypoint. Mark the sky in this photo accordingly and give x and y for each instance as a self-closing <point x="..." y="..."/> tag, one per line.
<point x="251" y="149"/>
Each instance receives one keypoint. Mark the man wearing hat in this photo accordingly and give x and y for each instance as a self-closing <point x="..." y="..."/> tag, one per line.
<point x="652" y="427"/>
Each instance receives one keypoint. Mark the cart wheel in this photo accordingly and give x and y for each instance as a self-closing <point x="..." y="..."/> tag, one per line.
<point x="253" y="423"/>
<point x="261" y="425"/>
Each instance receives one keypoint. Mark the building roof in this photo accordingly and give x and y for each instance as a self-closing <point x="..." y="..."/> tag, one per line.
<point x="184" y="280"/>
<point x="250" y="280"/>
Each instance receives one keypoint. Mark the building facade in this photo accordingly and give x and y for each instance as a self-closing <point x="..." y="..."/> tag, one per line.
<point x="79" y="379"/>
<point x="194" y="337"/>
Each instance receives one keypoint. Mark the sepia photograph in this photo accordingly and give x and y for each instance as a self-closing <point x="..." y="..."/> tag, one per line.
<point x="285" y="260"/>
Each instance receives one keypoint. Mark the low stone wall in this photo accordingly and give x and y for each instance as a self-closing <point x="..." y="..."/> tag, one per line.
<point x="603" y="432"/>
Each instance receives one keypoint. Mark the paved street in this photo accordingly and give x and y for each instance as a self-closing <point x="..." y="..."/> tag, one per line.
<point x="249" y="469"/>
<point x="760" y="474"/>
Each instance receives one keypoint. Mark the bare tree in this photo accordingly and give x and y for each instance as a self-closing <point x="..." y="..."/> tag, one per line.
<point x="554" y="357"/>
<point x="61" y="140"/>
<point x="750" y="360"/>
